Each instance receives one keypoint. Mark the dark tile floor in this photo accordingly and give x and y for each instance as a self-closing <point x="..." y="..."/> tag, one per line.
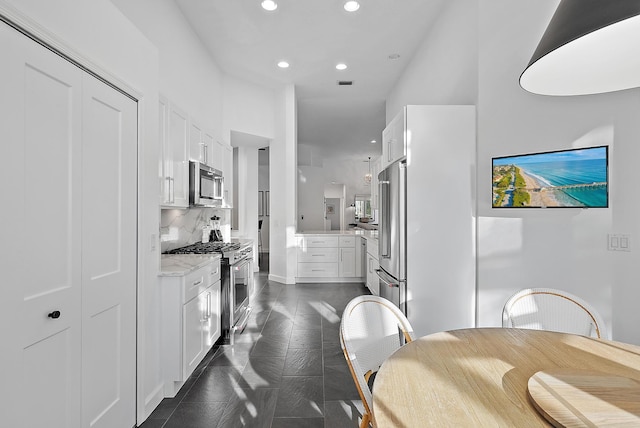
<point x="286" y="370"/>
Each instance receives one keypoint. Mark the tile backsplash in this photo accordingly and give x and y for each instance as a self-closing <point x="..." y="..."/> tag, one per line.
<point x="184" y="227"/>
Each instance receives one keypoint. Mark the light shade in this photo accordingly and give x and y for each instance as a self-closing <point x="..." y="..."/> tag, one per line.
<point x="589" y="47"/>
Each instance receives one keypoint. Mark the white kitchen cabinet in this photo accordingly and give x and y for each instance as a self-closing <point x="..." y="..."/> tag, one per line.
<point x="190" y="322"/>
<point x="217" y="160"/>
<point x="328" y="258"/>
<point x="347" y="263"/>
<point x="208" y="147"/>
<point x="201" y="327"/>
<point x="201" y="145"/>
<point x="197" y="151"/>
<point x="372" y="277"/>
<point x="373" y="284"/>
<point x="174" y="129"/>
<point x="394" y="140"/>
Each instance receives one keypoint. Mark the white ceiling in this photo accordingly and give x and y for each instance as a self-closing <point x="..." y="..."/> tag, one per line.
<point x="313" y="36"/>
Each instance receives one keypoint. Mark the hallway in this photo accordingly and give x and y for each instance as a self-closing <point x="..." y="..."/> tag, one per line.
<point x="286" y="370"/>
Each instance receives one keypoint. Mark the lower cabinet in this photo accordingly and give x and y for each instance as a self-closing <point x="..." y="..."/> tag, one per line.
<point x="328" y="258"/>
<point x="373" y="284"/>
<point x="201" y="327"/>
<point x="347" y="263"/>
<point x="190" y="322"/>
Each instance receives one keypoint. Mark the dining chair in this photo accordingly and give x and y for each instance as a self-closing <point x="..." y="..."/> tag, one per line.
<point x="372" y="328"/>
<point x="554" y="310"/>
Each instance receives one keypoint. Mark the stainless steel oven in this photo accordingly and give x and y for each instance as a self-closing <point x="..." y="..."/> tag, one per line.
<point x="237" y="288"/>
<point x="241" y="282"/>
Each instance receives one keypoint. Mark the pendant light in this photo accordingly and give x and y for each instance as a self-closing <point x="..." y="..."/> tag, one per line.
<point x="589" y="47"/>
<point x="368" y="176"/>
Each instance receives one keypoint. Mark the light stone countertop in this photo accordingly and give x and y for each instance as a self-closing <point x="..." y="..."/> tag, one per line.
<point x="182" y="264"/>
<point x="346" y="232"/>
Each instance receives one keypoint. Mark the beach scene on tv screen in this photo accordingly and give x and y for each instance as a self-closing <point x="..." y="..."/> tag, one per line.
<point x="571" y="178"/>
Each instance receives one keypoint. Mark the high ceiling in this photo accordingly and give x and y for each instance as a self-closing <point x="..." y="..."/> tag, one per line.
<point x="313" y="36"/>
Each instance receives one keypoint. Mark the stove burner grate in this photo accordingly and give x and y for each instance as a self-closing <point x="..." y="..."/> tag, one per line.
<point x="206" y="248"/>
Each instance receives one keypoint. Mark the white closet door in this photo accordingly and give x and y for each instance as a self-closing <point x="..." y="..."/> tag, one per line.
<point x="109" y="172"/>
<point x="40" y="124"/>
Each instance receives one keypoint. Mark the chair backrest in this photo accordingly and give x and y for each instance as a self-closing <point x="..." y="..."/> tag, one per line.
<point x="554" y="310"/>
<point x="372" y="328"/>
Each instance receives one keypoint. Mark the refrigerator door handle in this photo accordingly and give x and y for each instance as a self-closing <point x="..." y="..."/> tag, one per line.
<point x="385" y="245"/>
<point x="388" y="280"/>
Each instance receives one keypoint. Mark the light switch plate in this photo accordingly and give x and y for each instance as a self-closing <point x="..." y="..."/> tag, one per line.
<point x="619" y="242"/>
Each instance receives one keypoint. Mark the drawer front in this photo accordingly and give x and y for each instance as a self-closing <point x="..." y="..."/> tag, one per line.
<point x="317" y="270"/>
<point x="215" y="272"/>
<point x="320" y="255"/>
<point x="196" y="282"/>
<point x="319" y="241"/>
<point x="372" y="247"/>
<point x="347" y="241"/>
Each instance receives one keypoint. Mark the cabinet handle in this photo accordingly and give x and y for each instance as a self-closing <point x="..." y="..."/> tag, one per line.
<point x="317" y="255"/>
<point x="54" y="315"/>
<point x="208" y="305"/>
<point x="198" y="282"/>
<point x="317" y="270"/>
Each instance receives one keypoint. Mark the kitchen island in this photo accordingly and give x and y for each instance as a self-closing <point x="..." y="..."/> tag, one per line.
<point x="333" y="255"/>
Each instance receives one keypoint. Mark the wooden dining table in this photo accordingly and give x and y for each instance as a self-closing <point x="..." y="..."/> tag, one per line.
<point x="480" y="378"/>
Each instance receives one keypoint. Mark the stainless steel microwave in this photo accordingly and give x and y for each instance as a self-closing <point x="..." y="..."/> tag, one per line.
<point x="206" y="185"/>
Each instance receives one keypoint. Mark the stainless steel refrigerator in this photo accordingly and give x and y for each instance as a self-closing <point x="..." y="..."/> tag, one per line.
<point x="427" y="218"/>
<point x="392" y="234"/>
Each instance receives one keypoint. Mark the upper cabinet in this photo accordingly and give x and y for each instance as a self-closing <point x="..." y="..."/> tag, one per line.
<point x="202" y="145"/>
<point x="197" y="150"/>
<point x="174" y="132"/>
<point x="394" y="145"/>
<point x="183" y="139"/>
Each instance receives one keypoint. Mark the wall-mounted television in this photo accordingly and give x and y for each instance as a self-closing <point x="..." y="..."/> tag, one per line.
<point x="575" y="178"/>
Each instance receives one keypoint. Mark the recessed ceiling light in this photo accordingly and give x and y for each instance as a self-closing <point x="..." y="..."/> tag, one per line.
<point x="351" y="6"/>
<point x="341" y="66"/>
<point x="373" y="141"/>
<point x="394" y="56"/>
<point x="269" y="5"/>
<point x="283" y="64"/>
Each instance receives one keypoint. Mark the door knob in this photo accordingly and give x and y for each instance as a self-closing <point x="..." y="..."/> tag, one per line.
<point x="54" y="315"/>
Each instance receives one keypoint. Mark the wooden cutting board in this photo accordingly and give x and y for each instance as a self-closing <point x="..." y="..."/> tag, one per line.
<point x="585" y="398"/>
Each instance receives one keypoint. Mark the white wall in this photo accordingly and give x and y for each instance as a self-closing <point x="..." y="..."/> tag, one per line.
<point x="248" y="108"/>
<point x="283" y="183"/>
<point x="563" y="248"/>
<point x="188" y="76"/>
<point x="444" y="69"/>
<point x="311" y="181"/>
<point x="247" y="188"/>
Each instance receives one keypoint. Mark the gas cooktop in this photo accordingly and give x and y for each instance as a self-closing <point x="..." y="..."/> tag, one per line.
<point x="206" y="248"/>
